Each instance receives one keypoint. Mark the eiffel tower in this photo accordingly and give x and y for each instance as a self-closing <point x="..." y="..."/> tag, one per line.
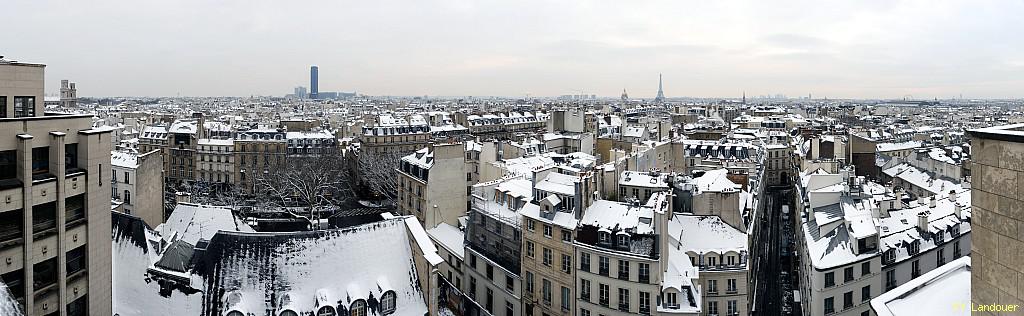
<point x="661" y="93"/>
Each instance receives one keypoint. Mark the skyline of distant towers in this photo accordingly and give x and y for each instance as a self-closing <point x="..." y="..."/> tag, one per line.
<point x="314" y="90"/>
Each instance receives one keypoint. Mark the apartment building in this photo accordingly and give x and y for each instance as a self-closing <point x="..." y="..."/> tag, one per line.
<point x="779" y="164"/>
<point x="432" y="184"/>
<point x="385" y="133"/>
<point x="560" y="195"/>
<point x="625" y="264"/>
<point x="493" y="247"/>
<point x="215" y="163"/>
<point x="257" y="152"/>
<point x="720" y="252"/>
<point x="859" y="240"/>
<point x="640" y="186"/>
<point x="137" y="183"/>
<point x="55" y="209"/>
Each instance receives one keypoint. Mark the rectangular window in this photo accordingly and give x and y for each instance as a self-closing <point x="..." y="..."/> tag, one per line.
<point x="529" y="281"/>
<point x="890" y="279"/>
<point x="830" y="279"/>
<point x="623" y="270"/>
<point x="529" y="249"/>
<point x="24" y="106"/>
<point x="547" y="230"/>
<point x="713" y="286"/>
<point x="830" y="306"/>
<point x="546" y="291"/>
<point x="940" y="257"/>
<point x="848" y="274"/>
<point x="645" y="303"/>
<point x="847" y="300"/>
<point x="584" y="312"/>
<point x="75" y="260"/>
<point x="566" y="263"/>
<point x="602" y="265"/>
<point x="547" y="257"/>
<point x="530" y="224"/>
<point x="732" y="308"/>
<point x="566" y="297"/>
<point x="566" y="235"/>
<point x="915" y="269"/>
<point x="623" y="300"/>
<point x="585" y="290"/>
<point x="490" y="301"/>
<point x="585" y="261"/>
<point x="44" y="274"/>
<point x="490" y="272"/>
<point x="865" y="293"/>
<point x="603" y="294"/>
<point x="510" y="284"/>
<point x="712" y="308"/>
<point x="645" y="272"/>
<point x="730" y="286"/>
<point x="865" y="268"/>
<point x="3" y="106"/>
<point x="509" y="309"/>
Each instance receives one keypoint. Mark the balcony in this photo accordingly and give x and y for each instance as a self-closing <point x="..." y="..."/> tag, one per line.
<point x="603" y="302"/>
<point x="624" y="307"/>
<point x="623" y="275"/>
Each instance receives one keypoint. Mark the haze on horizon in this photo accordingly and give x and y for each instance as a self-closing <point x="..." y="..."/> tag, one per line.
<point x="862" y="49"/>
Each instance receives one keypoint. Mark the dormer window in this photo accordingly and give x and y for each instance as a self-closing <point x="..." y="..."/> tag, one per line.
<point x="387" y="303"/>
<point x="623" y="240"/>
<point x="914" y="247"/>
<point x="603" y="237"/>
<point x="358" y="308"/>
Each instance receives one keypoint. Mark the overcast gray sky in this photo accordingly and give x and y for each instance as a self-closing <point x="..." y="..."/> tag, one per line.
<point x="849" y="49"/>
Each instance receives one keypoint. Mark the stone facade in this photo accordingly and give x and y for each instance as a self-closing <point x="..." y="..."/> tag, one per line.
<point x="998" y="199"/>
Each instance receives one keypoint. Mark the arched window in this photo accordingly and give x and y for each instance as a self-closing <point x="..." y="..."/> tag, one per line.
<point x="237" y="313"/>
<point x="358" y="308"/>
<point x="326" y="311"/>
<point x="286" y="313"/>
<point x="387" y="303"/>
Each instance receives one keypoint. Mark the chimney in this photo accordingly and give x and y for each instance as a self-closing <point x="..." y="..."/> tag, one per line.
<point x="958" y="210"/>
<point x="922" y="222"/>
<point x="931" y="202"/>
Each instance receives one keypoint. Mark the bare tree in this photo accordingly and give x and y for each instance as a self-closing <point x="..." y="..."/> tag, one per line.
<point x="377" y="171"/>
<point x="311" y="181"/>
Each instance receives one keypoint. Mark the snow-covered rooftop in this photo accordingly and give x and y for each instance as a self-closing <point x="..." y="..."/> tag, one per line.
<point x="124" y="159"/>
<point x="701" y="234"/>
<point x="308" y="270"/>
<point x="191" y="222"/>
<point x="449" y="237"/>
<point x="934" y="293"/>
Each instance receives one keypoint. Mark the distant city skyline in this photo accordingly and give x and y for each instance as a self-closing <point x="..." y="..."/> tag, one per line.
<point x="876" y="49"/>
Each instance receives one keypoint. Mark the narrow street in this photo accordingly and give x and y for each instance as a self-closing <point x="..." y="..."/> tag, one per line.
<point x="772" y="269"/>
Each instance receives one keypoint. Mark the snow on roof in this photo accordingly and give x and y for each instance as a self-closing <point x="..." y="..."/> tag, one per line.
<point x="473" y="146"/>
<point x="883" y="147"/>
<point x="131" y="293"/>
<point x="700" y="234"/>
<point x="333" y="266"/>
<point x="318" y="134"/>
<point x="216" y="142"/>
<point x="613" y="215"/>
<point x="716" y="181"/>
<point x="680" y="275"/>
<point x="633" y="131"/>
<point x="561" y="219"/>
<point x="558" y="183"/>
<point x="643" y="179"/>
<point x="424" y="158"/>
<point x="517" y="188"/>
<point x="422" y="240"/>
<point x="188" y="127"/>
<point x="930" y="293"/>
<point x="449" y="237"/>
<point x="900" y="228"/>
<point x="191" y="222"/>
<point x="124" y="159"/>
<point x="922" y="179"/>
